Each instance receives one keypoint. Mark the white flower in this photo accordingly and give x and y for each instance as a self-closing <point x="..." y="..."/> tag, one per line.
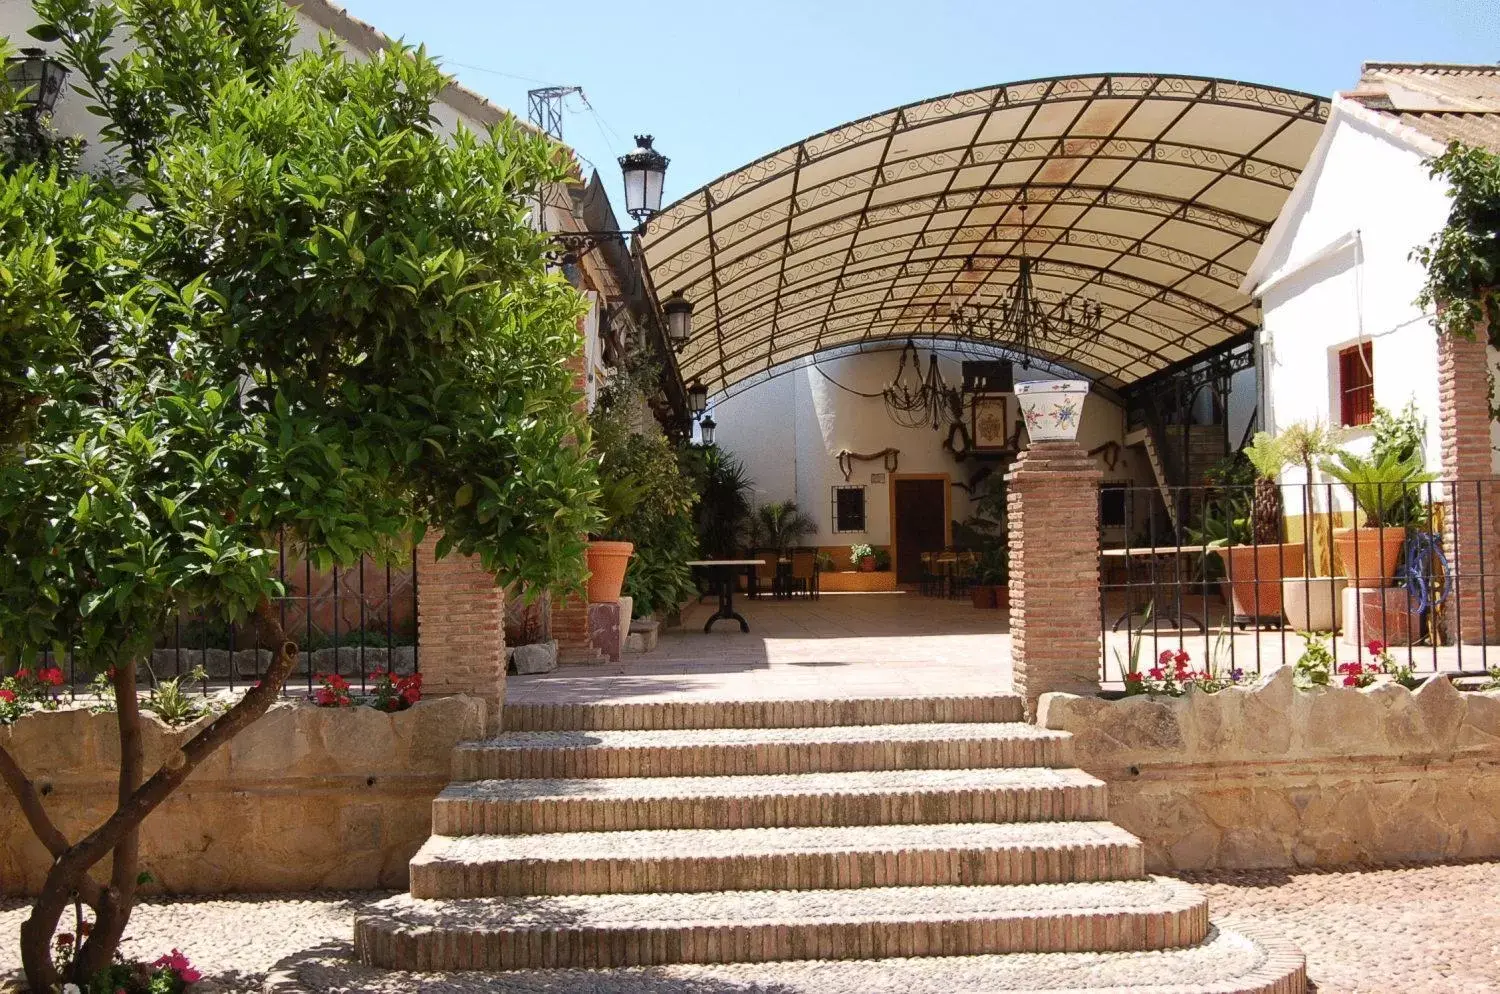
<point x="71" y="989"/>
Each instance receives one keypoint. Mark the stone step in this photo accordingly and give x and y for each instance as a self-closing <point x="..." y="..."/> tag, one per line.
<point x="1230" y="960"/>
<point x="678" y="860"/>
<point x="629" y="715"/>
<point x="883" y="797"/>
<point x="743" y="751"/>
<point x="613" y="930"/>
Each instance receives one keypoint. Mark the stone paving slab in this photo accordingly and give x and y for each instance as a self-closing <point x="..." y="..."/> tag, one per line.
<point x="865" y="797"/>
<point x="765" y="926"/>
<point x="696" y="752"/>
<point x="1227" y="962"/>
<point x="774" y="858"/>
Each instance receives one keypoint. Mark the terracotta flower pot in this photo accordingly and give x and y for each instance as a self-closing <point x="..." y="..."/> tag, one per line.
<point x="1255" y="573"/>
<point x="1369" y="555"/>
<point x="867" y="564"/>
<point x="1002" y="597"/>
<point x="982" y="595"/>
<point x="607" y="562"/>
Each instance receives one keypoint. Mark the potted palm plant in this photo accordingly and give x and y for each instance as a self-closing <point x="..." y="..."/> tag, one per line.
<point x="779" y="524"/>
<point x="608" y="552"/>
<point x="1255" y="557"/>
<point x="1311" y="601"/>
<point x="1383" y="487"/>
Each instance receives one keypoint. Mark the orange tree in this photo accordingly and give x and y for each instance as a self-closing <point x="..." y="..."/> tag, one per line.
<point x="297" y="308"/>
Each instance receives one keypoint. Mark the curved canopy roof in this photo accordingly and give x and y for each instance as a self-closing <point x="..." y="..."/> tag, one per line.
<point x="1148" y="195"/>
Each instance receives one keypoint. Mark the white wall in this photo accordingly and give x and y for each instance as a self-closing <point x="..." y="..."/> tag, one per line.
<point x="1370" y="204"/>
<point x="789" y="430"/>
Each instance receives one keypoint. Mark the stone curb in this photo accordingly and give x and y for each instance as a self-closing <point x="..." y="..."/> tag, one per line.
<point x="759" y="714"/>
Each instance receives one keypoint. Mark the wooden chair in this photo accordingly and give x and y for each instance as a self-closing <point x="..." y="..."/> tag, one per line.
<point x="804" y="577"/>
<point x="763" y="577"/>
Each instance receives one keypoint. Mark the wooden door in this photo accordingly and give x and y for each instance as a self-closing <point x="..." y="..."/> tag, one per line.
<point x="921" y="523"/>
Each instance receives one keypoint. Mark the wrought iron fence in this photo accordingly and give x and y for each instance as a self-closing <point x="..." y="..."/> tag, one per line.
<point x="353" y="622"/>
<point x="1409" y="566"/>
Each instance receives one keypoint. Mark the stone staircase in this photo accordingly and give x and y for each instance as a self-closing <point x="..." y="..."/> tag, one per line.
<point x="912" y="845"/>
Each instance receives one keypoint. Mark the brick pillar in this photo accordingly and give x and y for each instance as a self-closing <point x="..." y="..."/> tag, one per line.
<point x="1472" y="494"/>
<point x="1053" y="515"/>
<point x="460" y="628"/>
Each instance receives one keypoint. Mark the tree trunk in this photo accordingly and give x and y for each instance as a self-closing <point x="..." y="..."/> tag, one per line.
<point x="69" y="872"/>
<point x="113" y="911"/>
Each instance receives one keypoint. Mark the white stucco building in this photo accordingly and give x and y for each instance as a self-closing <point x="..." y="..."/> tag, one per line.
<point x="1341" y="330"/>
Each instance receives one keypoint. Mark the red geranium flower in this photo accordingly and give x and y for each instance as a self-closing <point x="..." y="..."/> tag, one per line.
<point x="8" y="696"/>
<point x="1156" y="672"/>
<point x="51" y="676"/>
<point x="23" y="674"/>
<point x="1376" y="647"/>
<point x="1181" y="658"/>
<point x="1132" y="678"/>
<point x="1165" y="657"/>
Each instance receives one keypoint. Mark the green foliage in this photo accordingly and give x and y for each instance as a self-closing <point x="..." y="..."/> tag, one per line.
<point x="994" y="565"/>
<point x="1463" y="259"/>
<point x="723" y="511"/>
<point x="1383" y="486"/>
<point x="882" y="560"/>
<point x="1314" y="668"/>
<point x="860" y="551"/>
<point x="173" y="704"/>
<point x="779" y="524"/>
<point x="1403" y="434"/>
<point x="649" y="500"/>
<point x="1268" y="454"/>
<point x="302" y="310"/>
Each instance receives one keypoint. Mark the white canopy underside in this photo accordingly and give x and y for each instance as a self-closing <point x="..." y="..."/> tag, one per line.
<point x="1149" y="195"/>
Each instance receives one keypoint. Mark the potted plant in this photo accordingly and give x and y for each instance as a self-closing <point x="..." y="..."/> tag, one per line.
<point x="1382" y="487"/>
<point x="1255" y="558"/>
<point x="608" y="552"/>
<point x="991" y="578"/>
<point x="1311" y="601"/>
<point x="779" y="524"/>
<point x="862" y="556"/>
<point x="882" y="560"/>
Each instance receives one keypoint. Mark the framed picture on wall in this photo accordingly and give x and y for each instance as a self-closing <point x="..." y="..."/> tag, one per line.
<point x="989" y="426"/>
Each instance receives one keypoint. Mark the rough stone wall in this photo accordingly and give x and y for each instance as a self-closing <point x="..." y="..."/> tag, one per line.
<point x="1052" y="504"/>
<point x="1270" y="776"/>
<point x="1464" y="416"/>
<point x="460" y="627"/>
<point x="306" y="798"/>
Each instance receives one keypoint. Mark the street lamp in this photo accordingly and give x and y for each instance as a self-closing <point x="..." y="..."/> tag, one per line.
<point x="39" y="78"/>
<point x="645" y="172"/>
<point x="706" y="429"/>
<point x="697" y="398"/>
<point x="679" y="312"/>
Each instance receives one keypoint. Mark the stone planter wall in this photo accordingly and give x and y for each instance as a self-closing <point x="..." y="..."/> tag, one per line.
<point x="306" y="798"/>
<point x="1270" y="776"/>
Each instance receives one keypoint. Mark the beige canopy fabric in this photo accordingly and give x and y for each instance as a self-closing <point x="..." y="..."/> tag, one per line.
<point x="1148" y="195"/>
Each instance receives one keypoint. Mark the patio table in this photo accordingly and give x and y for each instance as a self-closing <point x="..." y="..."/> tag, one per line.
<point x="1157" y="555"/>
<point x="722" y="573"/>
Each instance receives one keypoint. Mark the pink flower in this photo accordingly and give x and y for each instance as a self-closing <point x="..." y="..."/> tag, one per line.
<point x="1165" y="658"/>
<point x="178" y="964"/>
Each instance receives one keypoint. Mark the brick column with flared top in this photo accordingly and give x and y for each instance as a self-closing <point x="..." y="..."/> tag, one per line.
<point x="460" y="629"/>
<point x="1053" y="515"/>
<point x="1469" y="528"/>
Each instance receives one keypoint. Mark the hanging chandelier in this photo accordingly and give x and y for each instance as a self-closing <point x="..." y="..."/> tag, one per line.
<point x="916" y="401"/>
<point x="1027" y="323"/>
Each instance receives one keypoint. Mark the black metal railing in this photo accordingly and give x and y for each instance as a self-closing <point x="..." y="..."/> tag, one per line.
<point x="353" y="622"/>
<point x="1417" y="578"/>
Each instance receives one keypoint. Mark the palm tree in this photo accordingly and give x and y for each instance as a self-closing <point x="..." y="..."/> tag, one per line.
<point x="779" y="524"/>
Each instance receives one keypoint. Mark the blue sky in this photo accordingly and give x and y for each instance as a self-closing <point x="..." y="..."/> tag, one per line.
<point x="720" y="84"/>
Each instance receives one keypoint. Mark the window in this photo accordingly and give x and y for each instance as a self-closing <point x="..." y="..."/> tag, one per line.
<point x="1112" y="505"/>
<point x="848" y="509"/>
<point x="1357" y="384"/>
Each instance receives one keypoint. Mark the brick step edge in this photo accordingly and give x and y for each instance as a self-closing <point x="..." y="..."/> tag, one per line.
<point x="463" y="812"/>
<point x="392" y="944"/>
<point x="1022" y="863"/>
<point x="331" y="969"/>
<point x="628" y="716"/>
<point x="473" y="761"/>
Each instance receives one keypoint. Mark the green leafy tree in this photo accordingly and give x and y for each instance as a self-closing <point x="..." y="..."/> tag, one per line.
<point x="1463" y="259"/>
<point x="301" y="311"/>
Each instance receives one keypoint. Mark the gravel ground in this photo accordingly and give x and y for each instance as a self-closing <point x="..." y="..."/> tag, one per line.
<point x="1392" y="931"/>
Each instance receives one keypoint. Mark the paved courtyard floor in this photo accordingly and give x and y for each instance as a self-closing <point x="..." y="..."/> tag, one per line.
<point x="1419" y="930"/>
<point x="841" y="645"/>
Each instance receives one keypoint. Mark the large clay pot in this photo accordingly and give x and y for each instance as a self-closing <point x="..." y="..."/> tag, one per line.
<point x="607" y="562"/>
<point x="1369" y="555"/>
<point x="982" y="595"/>
<point x="1052" y="408"/>
<point x="867" y="564"/>
<point x="1002" y="597"/>
<point x="1312" y="603"/>
<point x="1255" y="573"/>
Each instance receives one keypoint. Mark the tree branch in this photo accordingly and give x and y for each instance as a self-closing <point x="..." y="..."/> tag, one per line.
<point x="42" y="826"/>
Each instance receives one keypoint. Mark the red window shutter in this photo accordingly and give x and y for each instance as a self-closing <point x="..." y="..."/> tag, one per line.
<point x="1357" y="385"/>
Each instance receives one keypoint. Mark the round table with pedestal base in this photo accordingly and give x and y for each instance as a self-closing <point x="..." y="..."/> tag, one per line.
<point x="722" y="573"/>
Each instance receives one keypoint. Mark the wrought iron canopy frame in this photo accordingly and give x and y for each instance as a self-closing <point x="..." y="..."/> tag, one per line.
<point x="1150" y="194"/>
